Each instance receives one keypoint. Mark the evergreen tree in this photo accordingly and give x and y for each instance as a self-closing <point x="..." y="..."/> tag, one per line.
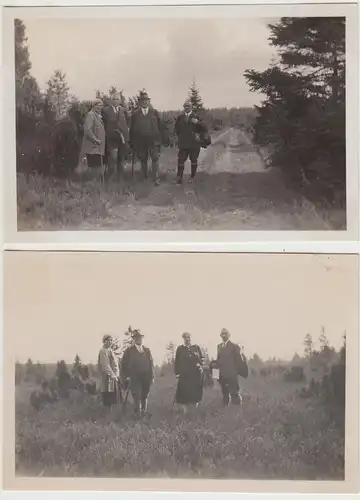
<point x="308" y="345"/>
<point x="58" y="93"/>
<point x="324" y="343"/>
<point x="303" y="115"/>
<point x="27" y="91"/>
<point x="195" y="98"/>
<point x="170" y="353"/>
<point x="77" y="364"/>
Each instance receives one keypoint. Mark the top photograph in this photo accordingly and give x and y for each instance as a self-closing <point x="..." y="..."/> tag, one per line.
<point x="221" y="122"/>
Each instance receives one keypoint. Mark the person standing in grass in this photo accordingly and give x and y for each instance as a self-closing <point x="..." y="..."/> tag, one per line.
<point x="94" y="138"/>
<point x="231" y="363"/>
<point x="109" y="369"/>
<point x="146" y="136"/>
<point x="137" y="368"/>
<point x="190" y="132"/>
<point x="115" y="119"/>
<point x="189" y="361"/>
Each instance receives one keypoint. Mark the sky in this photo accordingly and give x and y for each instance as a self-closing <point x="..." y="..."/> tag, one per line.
<point x="162" y="55"/>
<point x="60" y="304"/>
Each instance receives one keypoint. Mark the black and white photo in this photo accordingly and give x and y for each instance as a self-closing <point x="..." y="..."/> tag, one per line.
<point x="149" y="120"/>
<point x="220" y="369"/>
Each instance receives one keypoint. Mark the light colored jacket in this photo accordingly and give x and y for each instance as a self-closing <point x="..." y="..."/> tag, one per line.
<point x="93" y="129"/>
<point x="108" y="367"/>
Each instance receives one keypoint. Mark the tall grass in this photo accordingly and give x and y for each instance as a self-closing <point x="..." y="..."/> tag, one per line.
<point x="277" y="436"/>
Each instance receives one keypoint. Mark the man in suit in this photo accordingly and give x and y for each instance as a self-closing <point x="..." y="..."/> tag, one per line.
<point x="146" y="135"/>
<point x="137" y="369"/>
<point x="189" y="129"/>
<point x="231" y="363"/>
<point x="115" y="119"/>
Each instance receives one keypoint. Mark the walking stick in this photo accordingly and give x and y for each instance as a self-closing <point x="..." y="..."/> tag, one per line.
<point x="126" y="398"/>
<point x="102" y="178"/>
<point x="174" y="400"/>
<point x="132" y="163"/>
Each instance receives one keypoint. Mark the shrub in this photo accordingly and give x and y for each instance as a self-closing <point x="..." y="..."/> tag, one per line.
<point x="294" y="374"/>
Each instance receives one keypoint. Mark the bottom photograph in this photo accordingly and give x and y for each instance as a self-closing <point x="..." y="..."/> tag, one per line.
<point x="185" y="366"/>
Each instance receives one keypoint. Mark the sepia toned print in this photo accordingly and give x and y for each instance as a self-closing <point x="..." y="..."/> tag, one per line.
<point x="237" y="372"/>
<point x="240" y="129"/>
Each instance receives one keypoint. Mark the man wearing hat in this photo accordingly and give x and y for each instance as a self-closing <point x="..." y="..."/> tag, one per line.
<point x="109" y="369"/>
<point x="231" y="363"/>
<point x="146" y="132"/>
<point x="189" y="130"/>
<point x="117" y="135"/>
<point x="137" y="368"/>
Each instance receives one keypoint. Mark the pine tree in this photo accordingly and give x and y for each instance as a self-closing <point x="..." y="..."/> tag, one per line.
<point x="77" y="364"/>
<point x="195" y="98"/>
<point x="324" y="343"/>
<point x="170" y="353"/>
<point x="27" y="91"/>
<point x="303" y="115"/>
<point x="58" y="93"/>
<point x="308" y="345"/>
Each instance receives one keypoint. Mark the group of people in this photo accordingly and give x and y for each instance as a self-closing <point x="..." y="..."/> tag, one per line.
<point x="109" y="132"/>
<point x="136" y="372"/>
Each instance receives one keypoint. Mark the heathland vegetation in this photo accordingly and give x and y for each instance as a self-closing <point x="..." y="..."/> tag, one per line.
<point x="292" y="425"/>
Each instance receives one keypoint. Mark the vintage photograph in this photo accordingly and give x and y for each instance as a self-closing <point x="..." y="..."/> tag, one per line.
<point x="182" y="122"/>
<point x="213" y="366"/>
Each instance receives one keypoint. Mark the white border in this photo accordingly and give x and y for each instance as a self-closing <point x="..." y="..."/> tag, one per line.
<point x="219" y="241"/>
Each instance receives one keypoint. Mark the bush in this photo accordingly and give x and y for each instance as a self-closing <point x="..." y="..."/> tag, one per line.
<point x="294" y="374"/>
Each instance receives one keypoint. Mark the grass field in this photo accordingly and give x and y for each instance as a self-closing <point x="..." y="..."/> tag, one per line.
<point x="278" y="436"/>
<point x="233" y="191"/>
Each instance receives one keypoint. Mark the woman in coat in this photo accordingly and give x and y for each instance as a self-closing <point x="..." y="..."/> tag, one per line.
<point x="94" y="138"/>
<point x="109" y="370"/>
<point x="189" y="361"/>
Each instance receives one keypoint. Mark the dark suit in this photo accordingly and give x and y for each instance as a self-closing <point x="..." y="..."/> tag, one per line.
<point x="146" y="133"/>
<point x="116" y="123"/>
<point x="139" y="368"/>
<point x="189" y="141"/>
<point x="231" y="363"/>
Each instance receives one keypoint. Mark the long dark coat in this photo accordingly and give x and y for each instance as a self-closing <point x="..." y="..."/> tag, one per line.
<point x="188" y="363"/>
<point x="138" y="140"/>
<point x="186" y="131"/>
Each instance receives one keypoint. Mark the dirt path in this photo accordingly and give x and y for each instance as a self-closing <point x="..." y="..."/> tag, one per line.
<point x="233" y="191"/>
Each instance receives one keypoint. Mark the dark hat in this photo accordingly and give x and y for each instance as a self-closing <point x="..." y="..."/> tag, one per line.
<point x="136" y="334"/>
<point x="143" y="95"/>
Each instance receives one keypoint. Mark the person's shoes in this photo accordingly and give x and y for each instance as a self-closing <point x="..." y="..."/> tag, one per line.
<point x="178" y="180"/>
<point x="157" y="182"/>
<point x="191" y="180"/>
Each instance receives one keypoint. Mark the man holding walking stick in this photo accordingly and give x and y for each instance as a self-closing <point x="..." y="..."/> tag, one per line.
<point x="137" y="367"/>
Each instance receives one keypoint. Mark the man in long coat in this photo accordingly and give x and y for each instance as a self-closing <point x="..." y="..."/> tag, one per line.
<point x="109" y="369"/>
<point x="231" y="363"/>
<point x="115" y="120"/>
<point x="189" y="130"/>
<point x="137" y="368"/>
<point x="146" y="136"/>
